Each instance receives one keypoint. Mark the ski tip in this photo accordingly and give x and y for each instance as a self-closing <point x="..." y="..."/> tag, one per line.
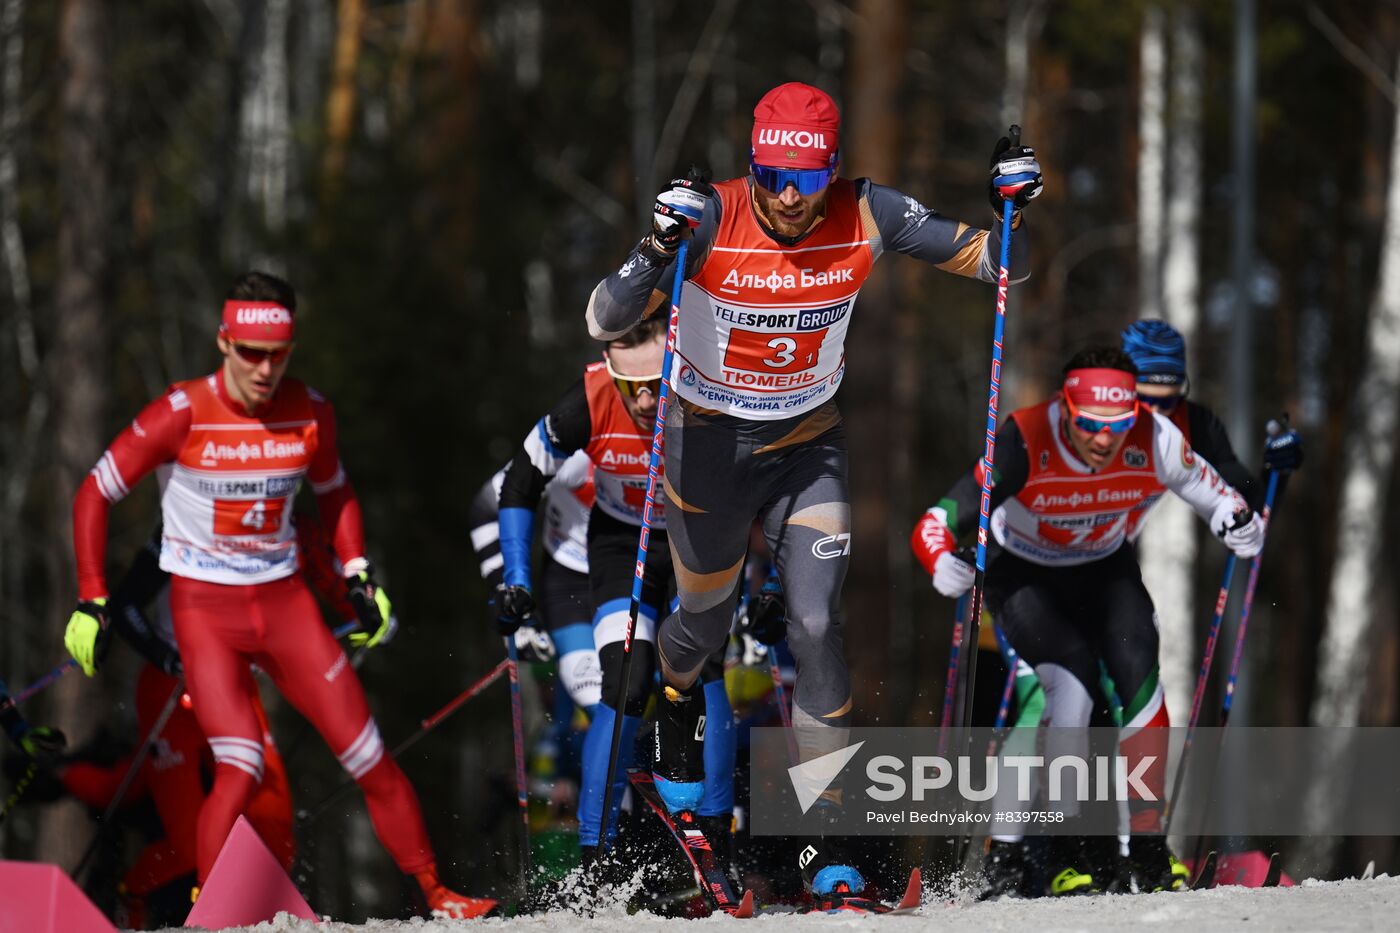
<point x="913" y="892"/>
<point x="745" y="909"/>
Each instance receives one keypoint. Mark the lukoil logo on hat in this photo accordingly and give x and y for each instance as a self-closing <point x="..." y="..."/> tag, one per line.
<point x="795" y="125"/>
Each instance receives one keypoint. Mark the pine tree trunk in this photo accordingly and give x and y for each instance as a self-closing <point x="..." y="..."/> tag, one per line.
<point x="1370" y="458"/>
<point x="1346" y="643"/>
<point x="1152" y="157"/>
<point x="77" y="362"/>
<point x="340" y="105"/>
<point x="1169" y="289"/>
<point x="870" y="139"/>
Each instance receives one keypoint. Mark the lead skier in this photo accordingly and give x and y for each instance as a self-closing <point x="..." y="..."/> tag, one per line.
<point x="775" y="264"/>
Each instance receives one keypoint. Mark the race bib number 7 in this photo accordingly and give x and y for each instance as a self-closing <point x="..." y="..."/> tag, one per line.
<point x="242" y="517"/>
<point x="773" y="353"/>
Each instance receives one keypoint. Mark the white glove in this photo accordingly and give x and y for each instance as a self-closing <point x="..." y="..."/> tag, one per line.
<point x="532" y="644"/>
<point x="1240" y="528"/>
<point x="678" y="209"/>
<point x="952" y="576"/>
<point x="755" y="652"/>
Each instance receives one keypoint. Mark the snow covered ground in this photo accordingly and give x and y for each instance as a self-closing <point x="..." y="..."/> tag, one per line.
<point x="1314" y="905"/>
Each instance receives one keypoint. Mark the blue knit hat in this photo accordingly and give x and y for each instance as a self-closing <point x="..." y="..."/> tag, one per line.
<point x="1158" y="350"/>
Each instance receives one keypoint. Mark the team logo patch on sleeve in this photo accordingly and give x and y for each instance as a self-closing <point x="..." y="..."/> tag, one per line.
<point x="1188" y="456"/>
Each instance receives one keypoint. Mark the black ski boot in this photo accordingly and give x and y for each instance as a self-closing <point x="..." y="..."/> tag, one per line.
<point x="1003" y="871"/>
<point x="1107" y="864"/>
<point x="826" y="868"/>
<point x="1073" y="871"/>
<point x="678" y="750"/>
<point x="1154" y="867"/>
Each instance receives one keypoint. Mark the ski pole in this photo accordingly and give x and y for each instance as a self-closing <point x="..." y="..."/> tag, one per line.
<point x="1245" y="608"/>
<point x="311" y="814"/>
<point x="1201" y="678"/>
<point x="1007" y="691"/>
<point x="950" y="683"/>
<point x="45" y="681"/>
<point x="634" y="608"/>
<point x="517" y="734"/>
<point x="131" y="771"/>
<point x="1007" y="189"/>
<point x="779" y="692"/>
<point x="984" y="512"/>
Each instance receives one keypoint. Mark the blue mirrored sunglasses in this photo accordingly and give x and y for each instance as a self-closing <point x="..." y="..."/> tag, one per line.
<point x="807" y="181"/>
<point x="1094" y="425"/>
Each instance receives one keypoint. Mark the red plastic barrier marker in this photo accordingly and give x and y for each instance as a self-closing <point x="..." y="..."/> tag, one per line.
<point x="246" y="886"/>
<point x="40" y="898"/>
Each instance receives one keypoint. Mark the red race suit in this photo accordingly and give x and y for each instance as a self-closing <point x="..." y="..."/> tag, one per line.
<point x="227" y="483"/>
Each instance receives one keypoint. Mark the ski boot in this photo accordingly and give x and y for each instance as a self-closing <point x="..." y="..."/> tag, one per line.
<point x="678" y="760"/>
<point x="1154" y="867"/>
<point x="1003" y="870"/>
<point x="1108" y="864"/>
<point x="446" y="903"/>
<point x="1072" y="867"/>
<point x="826" y="869"/>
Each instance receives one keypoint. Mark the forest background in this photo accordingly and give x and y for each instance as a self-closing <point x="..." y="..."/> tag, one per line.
<point x="444" y="181"/>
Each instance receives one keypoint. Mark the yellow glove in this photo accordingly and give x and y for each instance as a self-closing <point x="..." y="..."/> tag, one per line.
<point x="86" y="636"/>
<point x="377" y="621"/>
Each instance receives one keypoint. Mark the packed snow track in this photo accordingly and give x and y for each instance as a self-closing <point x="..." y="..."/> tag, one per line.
<point x="1313" y="905"/>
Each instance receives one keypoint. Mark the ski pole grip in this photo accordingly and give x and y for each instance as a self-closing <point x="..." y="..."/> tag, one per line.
<point x="1015" y="135"/>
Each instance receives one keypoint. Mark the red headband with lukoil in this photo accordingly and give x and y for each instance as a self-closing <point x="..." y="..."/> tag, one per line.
<point x="257" y="320"/>
<point x="1102" y="387"/>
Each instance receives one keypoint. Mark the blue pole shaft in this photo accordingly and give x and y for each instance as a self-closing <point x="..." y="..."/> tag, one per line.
<point x="984" y="511"/>
<point x="653" y="471"/>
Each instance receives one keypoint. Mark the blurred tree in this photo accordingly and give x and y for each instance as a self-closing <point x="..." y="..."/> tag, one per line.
<point x="872" y="145"/>
<point x="77" y="359"/>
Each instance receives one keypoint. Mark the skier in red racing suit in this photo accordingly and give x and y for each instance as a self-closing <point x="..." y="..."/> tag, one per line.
<point x="231" y="449"/>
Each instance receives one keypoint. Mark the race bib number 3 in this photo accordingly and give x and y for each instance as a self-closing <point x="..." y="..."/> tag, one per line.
<point x="773" y="353"/>
<point x="242" y="517"/>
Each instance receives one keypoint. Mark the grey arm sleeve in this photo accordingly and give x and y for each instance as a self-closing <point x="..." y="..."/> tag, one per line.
<point x="623" y="298"/>
<point x="906" y="226"/>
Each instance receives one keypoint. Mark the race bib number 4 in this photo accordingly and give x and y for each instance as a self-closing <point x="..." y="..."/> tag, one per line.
<point x="773" y="353"/>
<point x="242" y="517"/>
